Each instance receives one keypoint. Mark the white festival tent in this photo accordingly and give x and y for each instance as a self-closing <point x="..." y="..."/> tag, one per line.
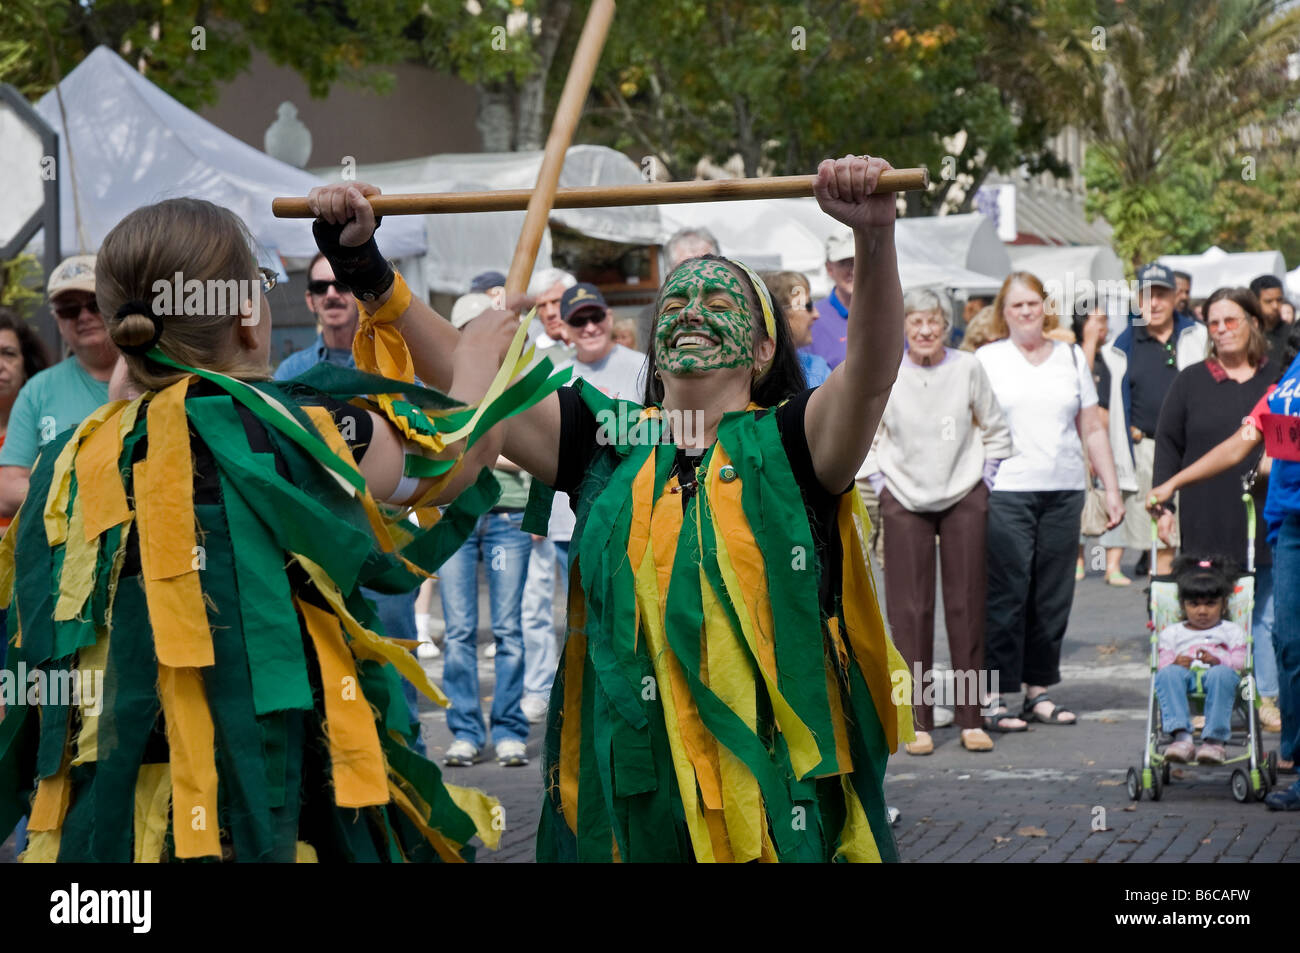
<point x="1215" y="268"/>
<point x="461" y="245"/>
<point x="953" y="252"/>
<point x="1068" y="265"/>
<point x="132" y="144"/>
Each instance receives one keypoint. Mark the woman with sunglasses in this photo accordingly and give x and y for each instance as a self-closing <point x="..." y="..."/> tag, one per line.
<point x="1204" y="406"/>
<point x="222" y="525"/>
<point x="727" y="689"/>
<point x="792" y="290"/>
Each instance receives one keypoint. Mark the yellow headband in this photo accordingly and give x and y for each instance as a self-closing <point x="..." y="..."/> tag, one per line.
<point x="764" y="298"/>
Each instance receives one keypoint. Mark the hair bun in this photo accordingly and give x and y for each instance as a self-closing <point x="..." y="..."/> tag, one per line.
<point x="136" y="328"/>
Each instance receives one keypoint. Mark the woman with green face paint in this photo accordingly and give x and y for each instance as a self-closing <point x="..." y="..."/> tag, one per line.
<point x="727" y="691"/>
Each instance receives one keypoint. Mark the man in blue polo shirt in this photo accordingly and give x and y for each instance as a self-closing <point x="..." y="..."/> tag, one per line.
<point x="830" y="330"/>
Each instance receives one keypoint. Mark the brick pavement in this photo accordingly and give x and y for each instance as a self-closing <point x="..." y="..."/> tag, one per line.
<point x="1033" y="799"/>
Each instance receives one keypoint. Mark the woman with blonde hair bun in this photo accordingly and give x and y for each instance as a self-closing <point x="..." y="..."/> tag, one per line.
<point x="221" y="526"/>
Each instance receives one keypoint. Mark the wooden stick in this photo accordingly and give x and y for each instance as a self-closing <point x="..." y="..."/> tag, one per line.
<point x="576" y="86"/>
<point x="609" y="196"/>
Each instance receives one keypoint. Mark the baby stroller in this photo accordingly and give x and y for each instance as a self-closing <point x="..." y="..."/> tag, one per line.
<point x="1252" y="773"/>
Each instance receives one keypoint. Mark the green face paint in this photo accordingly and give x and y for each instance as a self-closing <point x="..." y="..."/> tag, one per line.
<point x="704" y="322"/>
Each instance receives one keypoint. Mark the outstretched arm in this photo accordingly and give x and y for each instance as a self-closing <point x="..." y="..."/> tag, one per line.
<point x="843" y="413"/>
<point x="1223" y="457"/>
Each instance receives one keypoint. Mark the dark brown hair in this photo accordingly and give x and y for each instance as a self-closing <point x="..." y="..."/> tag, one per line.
<point x="35" y="357"/>
<point x="1244" y="298"/>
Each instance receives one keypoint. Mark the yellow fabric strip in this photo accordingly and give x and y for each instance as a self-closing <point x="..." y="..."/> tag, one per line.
<point x="857" y="845"/>
<point x="91" y="662"/>
<point x="483" y="808"/>
<point x="329" y="433"/>
<point x="730" y="679"/>
<point x="56" y="501"/>
<point x="165" y="499"/>
<point x="360" y="775"/>
<point x="575" y="653"/>
<point x="153" y="798"/>
<point x="53" y="795"/>
<point x="77" y="578"/>
<point x="177" y="612"/>
<point x="865" y="630"/>
<point x="441" y="843"/>
<point x="7" y="543"/>
<point x="745" y="576"/>
<point x="511" y="365"/>
<point x="190" y="734"/>
<point x="42" y="847"/>
<point x="378" y="346"/>
<point x="839" y="725"/>
<point x="99" y="481"/>
<point x="304" y="853"/>
<point x="364" y="639"/>
<point x="650" y="578"/>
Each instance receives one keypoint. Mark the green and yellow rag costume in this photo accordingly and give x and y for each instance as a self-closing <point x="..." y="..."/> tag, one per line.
<point x="707" y="705"/>
<point x="251" y="707"/>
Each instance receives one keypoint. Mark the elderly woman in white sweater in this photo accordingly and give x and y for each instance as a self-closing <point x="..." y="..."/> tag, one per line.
<point x="936" y="452"/>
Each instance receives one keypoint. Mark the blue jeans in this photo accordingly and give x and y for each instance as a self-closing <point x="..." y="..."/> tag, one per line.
<point x="397" y="614"/>
<point x="503" y="548"/>
<point x="1286" y="632"/>
<point x="1173" y="682"/>
<point x="1261" y="630"/>
<point x="541" y="648"/>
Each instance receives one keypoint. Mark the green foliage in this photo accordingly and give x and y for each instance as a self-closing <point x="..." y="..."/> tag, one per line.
<point x="20" y="283"/>
<point x="190" y="47"/>
<point x="786" y="84"/>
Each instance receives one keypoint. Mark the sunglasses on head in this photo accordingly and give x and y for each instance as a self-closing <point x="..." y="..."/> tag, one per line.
<point x="318" y="286"/>
<point x="584" y="317"/>
<point x="69" y="312"/>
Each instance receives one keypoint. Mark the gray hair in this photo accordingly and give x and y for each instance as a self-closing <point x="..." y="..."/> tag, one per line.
<point x="924" y="300"/>
<point x="697" y="234"/>
<point x="548" y="278"/>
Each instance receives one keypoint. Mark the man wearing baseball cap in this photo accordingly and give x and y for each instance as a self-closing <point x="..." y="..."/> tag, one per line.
<point x="62" y="396"/>
<point x="1134" y="375"/>
<point x="830" y="329"/>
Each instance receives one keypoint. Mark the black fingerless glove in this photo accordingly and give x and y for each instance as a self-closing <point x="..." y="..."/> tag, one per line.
<point x="361" y="267"/>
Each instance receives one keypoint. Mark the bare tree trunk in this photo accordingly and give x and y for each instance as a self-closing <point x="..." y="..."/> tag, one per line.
<point x="496" y="121"/>
<point x="530" y="107"/>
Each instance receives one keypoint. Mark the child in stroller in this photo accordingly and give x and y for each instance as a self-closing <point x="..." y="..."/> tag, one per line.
<point x="1205" y="652"/>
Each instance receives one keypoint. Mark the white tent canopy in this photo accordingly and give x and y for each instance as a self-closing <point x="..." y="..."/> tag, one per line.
<point x="1067" y="264"/>
<point x="1215" y="268"/>
<point x="132" y="144"/>
<point x="954" y="252"/>
<point x="463" y="245"/>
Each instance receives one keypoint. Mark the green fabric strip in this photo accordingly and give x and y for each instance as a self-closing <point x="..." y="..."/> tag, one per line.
<point x="244" y="801"/>
<point x="276" y="658"/>
<point x="19" y="737"/>
<point x="130" y="714"/>
<point x="35" y="584"/>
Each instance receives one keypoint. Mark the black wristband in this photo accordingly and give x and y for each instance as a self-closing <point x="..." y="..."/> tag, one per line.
<point x="361" y="267"/>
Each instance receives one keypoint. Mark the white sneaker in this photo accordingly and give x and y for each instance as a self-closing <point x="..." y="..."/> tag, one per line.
<point x="461" y="754"/>
<point x="490" y="651"/>
<point x="943" y="717"/>
<point x="512" y="754"/>
<point x="427" y="650"/>
<point x="534" y="707"/>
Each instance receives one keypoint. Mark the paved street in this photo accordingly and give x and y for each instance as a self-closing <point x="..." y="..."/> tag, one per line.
<point x="1035" y="798"/>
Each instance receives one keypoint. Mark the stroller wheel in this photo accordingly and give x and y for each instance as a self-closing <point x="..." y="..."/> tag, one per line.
<point x="1240" y="786"/>
<point x="1271" y="766"/>
<point x="1165" y="772"/>
<point x="1158" y="783"/>
<point x="1133" y="781"/>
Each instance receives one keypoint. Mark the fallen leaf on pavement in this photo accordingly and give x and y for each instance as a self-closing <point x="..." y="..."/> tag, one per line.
<point x="1131" y="807"/>
<point x="1032" y="832"/>
<point x="1110" y="782"/>
<point x="997" y="839"/>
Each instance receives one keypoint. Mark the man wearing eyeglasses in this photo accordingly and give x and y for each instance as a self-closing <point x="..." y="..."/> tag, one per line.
<point x="1135" y="373"/>
<point x="62" y="396"/>
<point x="336" y="315"/>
